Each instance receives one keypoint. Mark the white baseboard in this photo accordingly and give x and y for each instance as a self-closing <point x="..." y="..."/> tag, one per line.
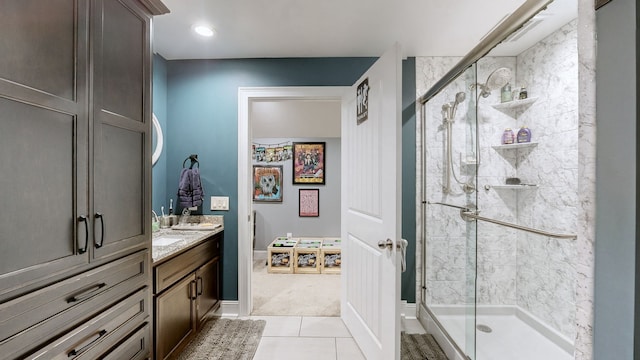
<point x="228" y="308"/>
<point x="259" y="255"/>
<point x="408" y="310"/>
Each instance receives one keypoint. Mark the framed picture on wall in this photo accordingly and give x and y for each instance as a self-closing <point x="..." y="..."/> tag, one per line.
<point x="309" y="163"/>
<point x="267" y="183"/>
<point x="309" y="202"/>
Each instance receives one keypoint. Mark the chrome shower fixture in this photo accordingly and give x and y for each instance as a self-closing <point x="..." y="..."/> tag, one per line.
<point x="449" y="109"/>
<point x="497" y="79"/>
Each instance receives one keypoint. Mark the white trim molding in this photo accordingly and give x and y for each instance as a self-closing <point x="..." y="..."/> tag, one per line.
<point x="245" y="221"/>
<point x="228" y="308"/>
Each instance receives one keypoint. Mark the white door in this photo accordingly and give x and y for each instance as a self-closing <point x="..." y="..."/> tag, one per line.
<point x="371" y="186"/>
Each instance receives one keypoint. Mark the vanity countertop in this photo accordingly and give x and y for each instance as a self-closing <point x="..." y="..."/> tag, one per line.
<point x="169" y="242"/>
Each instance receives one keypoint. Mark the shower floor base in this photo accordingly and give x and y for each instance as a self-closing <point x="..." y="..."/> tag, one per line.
<point x="510" y="338"/>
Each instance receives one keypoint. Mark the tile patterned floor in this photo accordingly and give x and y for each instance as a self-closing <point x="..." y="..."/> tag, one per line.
<point x="310" y="338"/>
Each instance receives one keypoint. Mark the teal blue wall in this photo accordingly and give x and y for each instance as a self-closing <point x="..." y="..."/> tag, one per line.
<point x="409" y="176"/>
<point x="202" y="113"/>
<point x="159" y="173"/>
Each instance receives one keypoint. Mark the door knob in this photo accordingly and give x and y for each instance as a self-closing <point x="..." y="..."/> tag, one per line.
<point x="385" y="244"/>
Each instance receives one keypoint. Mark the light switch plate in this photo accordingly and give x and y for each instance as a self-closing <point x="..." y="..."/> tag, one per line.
<point x="220" y="203"/>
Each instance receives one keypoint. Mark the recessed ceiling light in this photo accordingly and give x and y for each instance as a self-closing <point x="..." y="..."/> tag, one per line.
<point x="203" y="30"/>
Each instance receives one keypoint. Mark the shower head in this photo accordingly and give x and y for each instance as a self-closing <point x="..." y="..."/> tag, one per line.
<point x="497" y="79"/>
<point x="449" y="109"/>
<point x="459" y="98"/>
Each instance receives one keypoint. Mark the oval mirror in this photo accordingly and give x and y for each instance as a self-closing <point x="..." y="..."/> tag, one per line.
<point x="159" y="140"/>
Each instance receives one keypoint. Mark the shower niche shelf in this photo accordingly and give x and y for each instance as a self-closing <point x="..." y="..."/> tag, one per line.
<point x="515" y="187"/>
<point x="515" y="104"/>
<point x="515" y="146"/>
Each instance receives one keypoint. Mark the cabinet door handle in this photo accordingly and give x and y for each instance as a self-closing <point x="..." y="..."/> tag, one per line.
<point x="199" y="286"/>
<point x="101" y="217"/>
<point x="86" y="293"/>
<point x="84" y="219"/>
<point x="92" y="339"/>
<point x="192" y="288"/>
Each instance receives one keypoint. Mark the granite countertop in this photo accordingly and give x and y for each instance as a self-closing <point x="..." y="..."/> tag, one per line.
<point x="168" y="242"/>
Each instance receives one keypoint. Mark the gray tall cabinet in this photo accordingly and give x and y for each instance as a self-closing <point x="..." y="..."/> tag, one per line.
<point x="75" y="168"/>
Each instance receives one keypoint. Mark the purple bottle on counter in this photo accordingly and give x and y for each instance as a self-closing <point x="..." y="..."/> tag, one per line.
<point x="524" y="135"/>
<point x="508" y="137"/>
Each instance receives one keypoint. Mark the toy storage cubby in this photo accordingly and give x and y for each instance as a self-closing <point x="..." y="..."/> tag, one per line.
<point x="307" y="256"/>
<point x="280" y="255"/>
<point x="331" y="256"/>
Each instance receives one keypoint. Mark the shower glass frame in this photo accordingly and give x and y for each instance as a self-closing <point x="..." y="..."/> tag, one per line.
<point x="451" y="303"/>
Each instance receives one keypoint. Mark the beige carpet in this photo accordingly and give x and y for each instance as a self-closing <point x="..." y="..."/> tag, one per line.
<point x="294" y="294"/>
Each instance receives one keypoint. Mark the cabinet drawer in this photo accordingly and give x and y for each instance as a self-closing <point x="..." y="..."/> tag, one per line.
<point x="97" y="336"/>
<point x="181" y="265"/>
<point x="35" y="318"/>
<point x="135" y="346"/>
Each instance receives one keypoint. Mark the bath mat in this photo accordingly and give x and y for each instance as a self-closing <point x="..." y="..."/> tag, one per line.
<point x="227" y="339"/>
<point x="420" y="347"/>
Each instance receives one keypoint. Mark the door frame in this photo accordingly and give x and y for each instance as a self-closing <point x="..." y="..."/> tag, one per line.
<point x="245" y="205"/>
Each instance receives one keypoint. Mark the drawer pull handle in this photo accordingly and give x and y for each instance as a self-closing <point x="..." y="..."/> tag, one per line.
<point x="86" y="293"/>
<point x="199" y="286"/>
<point x="101" y="217"/>
<point x="83" y="219"/>
<point x="192" y="288"/>
<point x="97" y="336"/>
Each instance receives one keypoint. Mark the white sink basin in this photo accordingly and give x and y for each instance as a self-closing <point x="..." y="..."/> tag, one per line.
<point x="165" y="241"/>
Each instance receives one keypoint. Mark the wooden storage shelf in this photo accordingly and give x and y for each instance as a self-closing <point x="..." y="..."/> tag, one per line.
<point x="305" y="255"/>
<point x="331" y="260"/>
<point x="307" y="260"/>
<point x="280" y="255"/>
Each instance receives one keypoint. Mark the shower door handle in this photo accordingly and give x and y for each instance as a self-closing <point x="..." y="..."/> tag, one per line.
<point x="385" y="244"/>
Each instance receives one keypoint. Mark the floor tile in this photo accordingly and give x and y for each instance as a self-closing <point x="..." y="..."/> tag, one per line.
<point x="280" y="325"/>
<point x="296" y="348"/>
<point x="412" y="326"/>
<point x="323" y="327"/>
<point x="347" y="349"/>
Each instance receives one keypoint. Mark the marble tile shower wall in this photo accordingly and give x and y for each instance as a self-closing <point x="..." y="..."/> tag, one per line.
<point x="547" y="267"/>
<point x="514" y="268"/>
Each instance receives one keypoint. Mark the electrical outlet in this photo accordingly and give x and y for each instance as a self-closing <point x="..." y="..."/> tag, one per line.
<point x="220" y="203"/>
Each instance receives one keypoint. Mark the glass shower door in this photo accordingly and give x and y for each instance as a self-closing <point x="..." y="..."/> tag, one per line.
<point x="450" y="178"/>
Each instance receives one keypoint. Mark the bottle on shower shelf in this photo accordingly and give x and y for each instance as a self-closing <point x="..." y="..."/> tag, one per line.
<point x="524" y="135"/>
<point x="523" y="93"/>
<point x="508" y="137"/>
<point x="505" y="93"/>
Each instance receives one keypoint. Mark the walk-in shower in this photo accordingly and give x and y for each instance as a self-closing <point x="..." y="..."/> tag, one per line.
<point x="498" y="260"/>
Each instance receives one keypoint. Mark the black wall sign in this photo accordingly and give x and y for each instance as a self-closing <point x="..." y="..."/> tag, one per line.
<point x="362" y="101"/>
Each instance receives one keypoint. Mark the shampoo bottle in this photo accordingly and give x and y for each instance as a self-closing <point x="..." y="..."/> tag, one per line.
<point x="507" y="137"/>
<point x="524" y="135"/>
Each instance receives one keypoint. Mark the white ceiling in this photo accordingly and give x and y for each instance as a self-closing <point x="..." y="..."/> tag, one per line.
<point x="335" y="28"/>
<point x="327" y="28"/>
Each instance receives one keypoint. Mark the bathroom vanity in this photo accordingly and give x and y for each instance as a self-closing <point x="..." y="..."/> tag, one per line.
<point x="186" y="285"/>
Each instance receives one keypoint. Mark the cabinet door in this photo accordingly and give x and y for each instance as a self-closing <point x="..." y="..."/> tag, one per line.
<point x="208" y="289"/>
<point x="44" y="133"/>
<point x="122" y="128"/>
<point x="175" y="317"/>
